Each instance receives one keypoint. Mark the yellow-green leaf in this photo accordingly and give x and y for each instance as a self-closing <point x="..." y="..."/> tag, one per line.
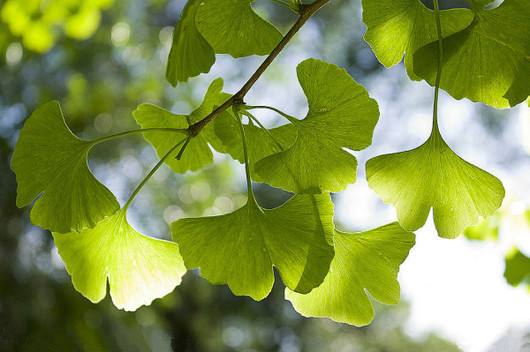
<point x="488" y="62"/>
<point x="341" y="115"/>
<point x="364" y="263"/>
<point x="190" y="53"/>
<point x="240" y="249"/>
<point x="138" y="268"/>
<point x="232" y="27"/>
<point x="433" y="176"/>
<point x="50" y="163"/>
<point x="400" y="27"/>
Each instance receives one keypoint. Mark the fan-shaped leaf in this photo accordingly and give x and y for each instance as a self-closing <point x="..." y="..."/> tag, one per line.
<point x="232" y="27"/>
<point x="400" y="27"/>
<point x="138" y="268"/>
<point x="433" y="176"/>
<point x="51" y="162"/>
<point x="488" y="62"/>
<point x="364" y="262"/>
<point x="341" y="115"/>
<point x="241" y="248"/>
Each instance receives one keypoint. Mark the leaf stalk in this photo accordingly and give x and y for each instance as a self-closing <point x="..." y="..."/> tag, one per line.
<point x="140" y="130"/>
<point x="439" y="67"/>
<point x="306" y="11"/>
<point x="137" y="190"/>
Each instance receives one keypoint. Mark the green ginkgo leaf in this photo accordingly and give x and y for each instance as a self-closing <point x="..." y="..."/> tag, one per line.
<point x="198" y="153"/>
<point x="488" y="62"/>
<point x="433" y="176"/>
<point x="232" y="27"/>
<point x="138" y="268"/>
<point x="366" y="262"/>
<point x="400" y="27"/>
<point x="190" y="53"/>
<point x="341" y="115"/>
<point x="50" y="164"/>
<point x="241" y="248"/>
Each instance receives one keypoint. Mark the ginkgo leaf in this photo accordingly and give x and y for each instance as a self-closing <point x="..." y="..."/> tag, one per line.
<point x="198" y="153"/>
<point x="366" y="262"/>
<point x="400" y="27"/>
<point x="433" y="176"/>
<point x="488" y="62"/>
<point x="341" y="115"/>
<point x="190" y="53"/>
<point x="517" y="270"/>
<point x="241" y="248"/>
<point x="232" y="27"/>
<point x="138" y="268"/>
<point x="50" y="163"/>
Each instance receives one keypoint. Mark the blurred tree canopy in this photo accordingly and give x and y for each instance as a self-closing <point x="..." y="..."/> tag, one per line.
<point x="100" y="59"/>
<point x="38" y="22"/>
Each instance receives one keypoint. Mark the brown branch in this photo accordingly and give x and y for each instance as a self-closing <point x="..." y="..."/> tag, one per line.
<point x="306" y="12"/>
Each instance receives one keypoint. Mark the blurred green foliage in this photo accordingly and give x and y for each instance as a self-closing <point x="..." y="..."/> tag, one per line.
<point x="38" y="22"/>
<point x="487" y="229"/>
<point x="517" y="271"/>
<point x="99" y="81"/>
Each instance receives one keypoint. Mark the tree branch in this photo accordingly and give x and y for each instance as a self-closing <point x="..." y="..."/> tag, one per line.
<point x="305" y="13"/>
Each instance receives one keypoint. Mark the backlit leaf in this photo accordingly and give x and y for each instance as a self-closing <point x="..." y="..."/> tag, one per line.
<point x="364" y="263"/>
<point x="433" y="176"/>
<point x="232" y="27"/>
<point x="241" y="248"/>
<point x="488" y="62"/>
<point x="198" y="153"/>
<point x="400" y="27"/>
<point x="50" y="163"/>
<point x="138" y="268"/>
<point x="190" y="53"/>
<point x="341" y="115"/>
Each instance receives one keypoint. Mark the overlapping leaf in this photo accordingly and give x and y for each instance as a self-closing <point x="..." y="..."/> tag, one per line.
<point x="400" y="27"/>
<point x="260" y="143"/>
<point x="488" y="62"/>
<point x="50" y="163"/>
<point x="190" y="53"/>
<point x="198" y="153"/>
<point x="341" y="115"/>
<point x="433" y="176"/>
<point x="138" y="268"/>
<point x="207" y="27"/>
<point x="364" y="262"/>
<point x="241" y="248"/>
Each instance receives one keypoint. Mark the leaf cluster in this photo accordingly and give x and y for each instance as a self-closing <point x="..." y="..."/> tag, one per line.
<point x="327" y="272"/>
